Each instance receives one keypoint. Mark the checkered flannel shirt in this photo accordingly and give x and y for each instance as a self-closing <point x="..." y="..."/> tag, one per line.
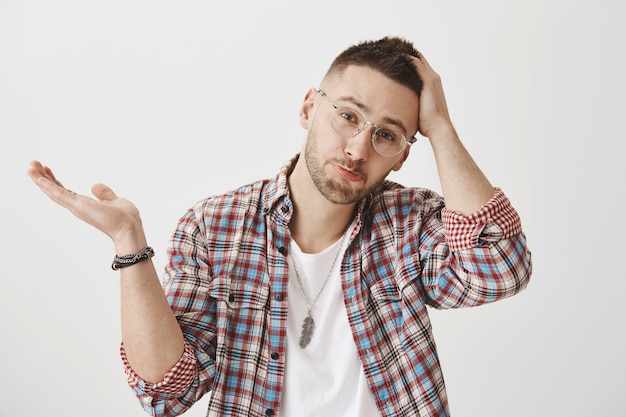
<point x="227" y="279"/>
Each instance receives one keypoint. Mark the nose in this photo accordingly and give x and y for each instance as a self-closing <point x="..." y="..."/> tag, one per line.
<point x="359" y="146"/>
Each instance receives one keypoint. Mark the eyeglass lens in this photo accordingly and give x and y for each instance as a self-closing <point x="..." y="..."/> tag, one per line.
<point x="387" y="141"/>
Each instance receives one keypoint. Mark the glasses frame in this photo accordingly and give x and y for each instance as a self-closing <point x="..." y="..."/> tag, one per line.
<point x="366" y="122"/>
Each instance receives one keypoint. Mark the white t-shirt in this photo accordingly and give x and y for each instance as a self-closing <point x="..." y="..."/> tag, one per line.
<point x="325" y="378"/>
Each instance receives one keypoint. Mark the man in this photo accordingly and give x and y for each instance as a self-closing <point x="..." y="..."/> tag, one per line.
<point x="306" y="294"/>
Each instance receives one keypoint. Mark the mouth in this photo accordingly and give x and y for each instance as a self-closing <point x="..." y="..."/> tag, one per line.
<point x="349" y="174"/>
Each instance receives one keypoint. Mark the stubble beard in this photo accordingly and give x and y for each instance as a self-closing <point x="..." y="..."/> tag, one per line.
<point x="334" y="190"/>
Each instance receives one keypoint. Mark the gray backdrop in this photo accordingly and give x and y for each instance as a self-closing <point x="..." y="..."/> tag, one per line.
<point x="168" y="102"/>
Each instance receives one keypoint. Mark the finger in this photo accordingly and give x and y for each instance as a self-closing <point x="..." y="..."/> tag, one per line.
<point x="50" y="173"/>
<point x="37" y="170"/>
<point x="58" y="194"/>
<point x="103" y="192"/>
<point x="423" y="59"/>
<point x="46" y="181"/>
<point x="421" y="65"/>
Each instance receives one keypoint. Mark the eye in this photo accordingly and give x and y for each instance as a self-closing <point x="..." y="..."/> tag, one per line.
<point x="389" y="135"/>
<point x="349" y="116"/>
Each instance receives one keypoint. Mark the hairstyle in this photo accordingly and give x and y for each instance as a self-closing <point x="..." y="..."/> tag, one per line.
<point x="387" y="55"/>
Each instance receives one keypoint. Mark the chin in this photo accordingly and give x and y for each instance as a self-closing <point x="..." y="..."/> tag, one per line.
<point x="341" y="195"/>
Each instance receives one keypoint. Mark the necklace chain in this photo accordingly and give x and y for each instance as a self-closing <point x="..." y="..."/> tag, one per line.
<point x="310" y="304"/>
<point x="308" y="326"/>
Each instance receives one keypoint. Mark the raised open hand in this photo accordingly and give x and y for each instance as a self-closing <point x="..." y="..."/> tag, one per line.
<point x="111" y="214"/>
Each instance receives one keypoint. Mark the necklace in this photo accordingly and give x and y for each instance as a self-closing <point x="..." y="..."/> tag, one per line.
<point x="308" y="325"/>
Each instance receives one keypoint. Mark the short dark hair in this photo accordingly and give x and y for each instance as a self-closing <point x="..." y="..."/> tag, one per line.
<point x="388" y="55"/>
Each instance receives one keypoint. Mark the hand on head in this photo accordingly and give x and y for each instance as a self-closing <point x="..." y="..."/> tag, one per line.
<point x="433" y="113"/>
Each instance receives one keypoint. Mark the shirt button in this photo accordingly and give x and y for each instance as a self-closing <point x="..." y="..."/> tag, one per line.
<point x="282" y="250"/>
<point x="231" y="298"/>
<point x="269" y="412"/>
<point x="284" y="209"/>
<point x="278" y="297"/>
<point x="274" y="355"/>
<point x="265" y="210"/>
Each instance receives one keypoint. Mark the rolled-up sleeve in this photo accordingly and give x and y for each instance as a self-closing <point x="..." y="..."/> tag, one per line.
<point x="483" y="257"/>
<point x="496" y="220"/>
<point x="175" y="383"/>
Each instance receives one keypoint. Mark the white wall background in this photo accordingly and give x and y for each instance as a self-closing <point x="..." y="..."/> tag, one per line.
<point x="168" y="102"/>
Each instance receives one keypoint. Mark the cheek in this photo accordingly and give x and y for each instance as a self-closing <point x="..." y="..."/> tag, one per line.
<point x="325" y="138"/>
<point x="382" y="170"/>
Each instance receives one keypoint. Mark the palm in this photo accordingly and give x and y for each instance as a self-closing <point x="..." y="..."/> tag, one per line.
<point x="110" y="214"/>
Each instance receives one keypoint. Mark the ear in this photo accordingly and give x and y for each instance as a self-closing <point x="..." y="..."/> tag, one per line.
<point x="306" y="111"/>
<point x="405" y="155"/>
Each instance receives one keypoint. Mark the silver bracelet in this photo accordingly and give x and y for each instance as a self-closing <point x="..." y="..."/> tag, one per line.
<point x="128" y="260"/>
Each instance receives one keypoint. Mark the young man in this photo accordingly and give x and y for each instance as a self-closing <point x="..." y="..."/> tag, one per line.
<point x="307" y="294"/>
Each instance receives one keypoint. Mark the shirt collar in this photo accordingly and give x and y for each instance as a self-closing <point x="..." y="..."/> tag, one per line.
<point x="278" y="190"/>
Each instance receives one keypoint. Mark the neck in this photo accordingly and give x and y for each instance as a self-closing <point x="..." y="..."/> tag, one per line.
<point x="316" y="222"/>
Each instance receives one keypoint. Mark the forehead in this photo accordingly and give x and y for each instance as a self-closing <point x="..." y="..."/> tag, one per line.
<point x="376" y="95"/>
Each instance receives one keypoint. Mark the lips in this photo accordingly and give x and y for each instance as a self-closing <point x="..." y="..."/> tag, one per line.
<point x="348" y="174"/>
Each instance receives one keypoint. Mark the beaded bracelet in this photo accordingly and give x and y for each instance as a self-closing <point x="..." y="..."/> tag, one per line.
<point x="128" y="260"/>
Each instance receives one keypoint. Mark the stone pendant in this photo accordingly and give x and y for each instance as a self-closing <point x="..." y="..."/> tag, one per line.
<point x="308" y="326"/>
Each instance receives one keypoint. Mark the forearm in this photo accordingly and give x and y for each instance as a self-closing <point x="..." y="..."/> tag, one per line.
<point x="151" y="334"/>
<point x="152" y="337"/>
<point x="465" y="188"/>
<point x="478" y="259"/>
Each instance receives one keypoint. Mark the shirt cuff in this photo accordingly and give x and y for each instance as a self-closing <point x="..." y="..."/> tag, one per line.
<point x="496" y="220"/>
<point x="175" y="382"/>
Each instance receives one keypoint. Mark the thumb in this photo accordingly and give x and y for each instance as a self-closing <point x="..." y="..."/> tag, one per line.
<point x="103" y="192"/>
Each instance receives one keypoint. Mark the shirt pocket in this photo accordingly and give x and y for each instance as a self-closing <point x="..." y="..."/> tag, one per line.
<point x="241" y="309"/>
<point x="235" y="294"/>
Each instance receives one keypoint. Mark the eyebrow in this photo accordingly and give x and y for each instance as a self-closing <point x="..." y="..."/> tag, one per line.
<point x="365" y="109"/>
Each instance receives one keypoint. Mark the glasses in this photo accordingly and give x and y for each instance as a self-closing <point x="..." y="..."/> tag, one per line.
<point x="388" y="141"/>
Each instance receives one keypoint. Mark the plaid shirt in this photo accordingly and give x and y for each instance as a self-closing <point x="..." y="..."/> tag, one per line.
<point x="227" y="281"/>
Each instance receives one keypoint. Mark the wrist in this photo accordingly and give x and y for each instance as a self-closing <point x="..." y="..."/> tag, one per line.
<point x="130" y="241"/>
<point x="441" y="131"/>
<point x="123" y="261"/>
